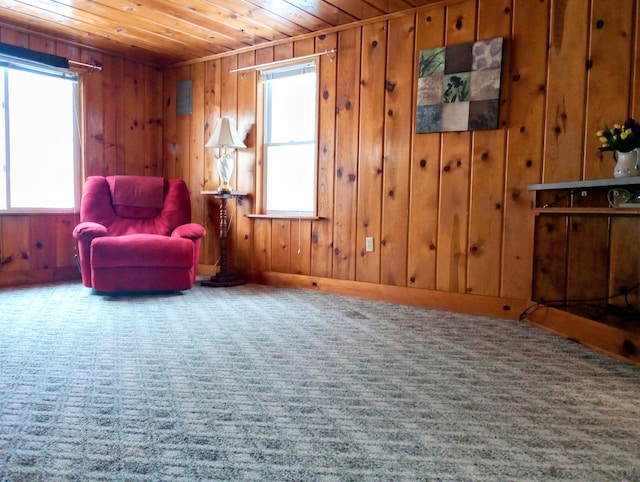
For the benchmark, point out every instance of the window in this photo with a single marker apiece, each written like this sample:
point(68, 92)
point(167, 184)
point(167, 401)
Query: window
point(290, 132)
point(38, 139)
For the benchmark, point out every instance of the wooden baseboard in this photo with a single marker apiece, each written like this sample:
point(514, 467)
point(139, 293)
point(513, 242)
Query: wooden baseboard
point(35, 277)
point(610, 340)
point(441, 300)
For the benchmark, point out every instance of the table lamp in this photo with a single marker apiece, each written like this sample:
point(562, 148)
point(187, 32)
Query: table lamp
point(226, 137)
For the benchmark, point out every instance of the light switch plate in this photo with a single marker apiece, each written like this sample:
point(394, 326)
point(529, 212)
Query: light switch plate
point(369, 243)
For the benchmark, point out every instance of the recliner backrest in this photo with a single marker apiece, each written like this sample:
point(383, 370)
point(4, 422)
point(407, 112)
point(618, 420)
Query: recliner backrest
point(136, 204)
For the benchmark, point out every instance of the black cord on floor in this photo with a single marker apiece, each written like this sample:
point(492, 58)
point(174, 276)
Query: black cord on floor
point(627, 312)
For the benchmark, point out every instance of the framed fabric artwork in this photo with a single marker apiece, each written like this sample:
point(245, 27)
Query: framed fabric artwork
point(459, 87)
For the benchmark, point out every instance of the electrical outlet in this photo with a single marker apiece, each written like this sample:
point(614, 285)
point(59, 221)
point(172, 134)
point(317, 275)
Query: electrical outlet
point(369, 243)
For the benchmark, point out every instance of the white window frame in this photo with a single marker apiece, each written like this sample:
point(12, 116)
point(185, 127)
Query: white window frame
point(6, 206)
point(267, 77)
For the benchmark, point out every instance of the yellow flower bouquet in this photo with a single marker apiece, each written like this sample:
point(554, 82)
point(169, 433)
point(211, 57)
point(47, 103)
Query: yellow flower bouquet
point(623, 138)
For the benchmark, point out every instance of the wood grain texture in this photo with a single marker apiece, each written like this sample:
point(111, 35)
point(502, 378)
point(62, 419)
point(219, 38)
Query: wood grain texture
point(245, 160)
point(398, 132)
point(467, 216)
point(346, 174)
point(163, 32)
point(372, 119)
point(425, 174)
point(525, 133)
point(566, 108)
point(322, 230)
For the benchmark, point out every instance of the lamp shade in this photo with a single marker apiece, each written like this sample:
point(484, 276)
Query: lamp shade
point(225, 135)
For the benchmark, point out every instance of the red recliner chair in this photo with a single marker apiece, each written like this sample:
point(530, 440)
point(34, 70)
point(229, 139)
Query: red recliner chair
point(135, 234)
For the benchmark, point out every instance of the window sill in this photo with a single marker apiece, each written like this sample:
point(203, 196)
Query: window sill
point(284, 216)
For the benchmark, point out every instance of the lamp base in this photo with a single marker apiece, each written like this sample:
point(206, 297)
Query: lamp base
point(225, 280)
point(225, 169)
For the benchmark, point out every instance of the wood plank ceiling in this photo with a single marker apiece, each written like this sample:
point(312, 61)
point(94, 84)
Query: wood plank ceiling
point(163, 32)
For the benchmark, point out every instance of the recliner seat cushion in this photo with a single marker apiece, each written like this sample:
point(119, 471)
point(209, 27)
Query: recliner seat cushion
point(141, 250)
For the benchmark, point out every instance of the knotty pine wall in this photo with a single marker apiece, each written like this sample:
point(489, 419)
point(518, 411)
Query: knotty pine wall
point(450, 213)
point(123, 135)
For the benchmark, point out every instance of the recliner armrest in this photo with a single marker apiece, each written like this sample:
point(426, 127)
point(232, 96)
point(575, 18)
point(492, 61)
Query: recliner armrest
point(88, 230)
point(191, 231)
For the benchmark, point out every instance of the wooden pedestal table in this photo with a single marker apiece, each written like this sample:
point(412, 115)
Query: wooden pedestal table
point(226, 276)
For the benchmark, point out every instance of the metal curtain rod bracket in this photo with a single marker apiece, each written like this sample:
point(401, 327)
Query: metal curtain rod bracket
point(328, 53)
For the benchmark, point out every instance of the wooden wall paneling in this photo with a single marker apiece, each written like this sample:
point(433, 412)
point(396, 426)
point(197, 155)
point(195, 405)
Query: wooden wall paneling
point(281, 228)
point(122, 125)
point(229, 108)
point(42, 44)
point(588, 258)
point(132, 132)
point(211, 218)
point(610, 61)
point(93, 112)
point(453, 223)
point(261, 248)
point(43, 240)
point(460, 22)
point(624, 258)
point(280, 245)
point(197, 174)
point(181, 135)
point(246, 159)
point(300, 251)
point(65, 242)
point(347, 132)
point(372, 116)
point(322, 230)
point(453, 212)
point(550, 258)
point(212, 94)
point(525, 136)
point(113, 90)
point(487, 172)
point(566, 91)
point(64, 49)
point(169, 123)
point(16, 243)
point(153, 120)
point(425, 173)
point(300, 242)
point(485, 213)
point(14, 37)
point(261, 259)
point(398, 137)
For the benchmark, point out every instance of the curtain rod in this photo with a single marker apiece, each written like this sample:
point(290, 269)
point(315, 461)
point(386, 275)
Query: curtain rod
point(278, 62)
point(82, 64)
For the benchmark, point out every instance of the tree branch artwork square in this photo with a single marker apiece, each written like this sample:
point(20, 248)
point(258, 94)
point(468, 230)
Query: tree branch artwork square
point(459, 87)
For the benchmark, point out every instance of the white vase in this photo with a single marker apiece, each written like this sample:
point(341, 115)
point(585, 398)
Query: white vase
point(627, 163)
point(225, 169)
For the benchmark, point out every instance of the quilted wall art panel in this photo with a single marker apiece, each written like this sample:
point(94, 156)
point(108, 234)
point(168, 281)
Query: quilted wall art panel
point(459, 87)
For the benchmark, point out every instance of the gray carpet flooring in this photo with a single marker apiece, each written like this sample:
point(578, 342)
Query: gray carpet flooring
point(271, 384)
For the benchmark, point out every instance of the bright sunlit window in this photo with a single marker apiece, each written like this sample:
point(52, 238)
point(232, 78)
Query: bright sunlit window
point(290, 107)
point(38, 140)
